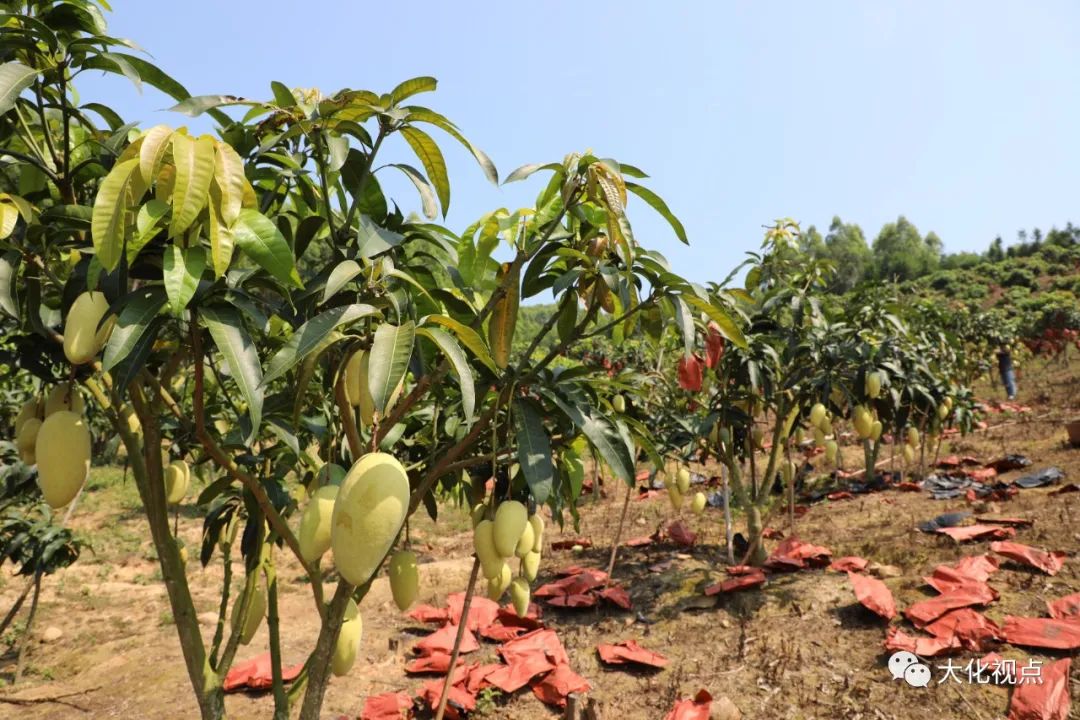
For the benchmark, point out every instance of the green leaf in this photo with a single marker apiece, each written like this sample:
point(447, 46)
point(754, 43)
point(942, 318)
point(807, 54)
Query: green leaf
point(422, 114)
point(460, 363)
point(127, 69)
point(131, 324)
point(526, 170)
point(412, 87)
point(109, 221)
point(14, 78)
point(194, 161)
point(427, 196)
point(283, 96)
point(468, 337)
point(182, 268)
point(197, 105)
point(147, 225)
point(601, 434)
point(727, 325)
point(127, 370)
point(310, 335)
point(230, 180)
point(345, 271)
point(231, 338)
point(534, 449)
point(657, 204)
point(432, 159)
point(155, 143)
point(372, 240)
point(7, 283)
point(389, 359)
point(259, 238)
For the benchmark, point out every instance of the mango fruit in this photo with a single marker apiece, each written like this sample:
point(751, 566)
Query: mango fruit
point(873, 385)
point(484, 545)
point(619, 404)
point(315, 523)
point(63, 456)
point(511, 517)
point(831, 449)
point(682, 479)
point(698, 504)
point(530, 566)
point(519, 596)
point(758, 438)
point(537, 523)
point(26, 440)
point(526, 541)
point(909, 454)
point(357, 388)
point(404, 579)
point(912, 436)
point(255, 613)
point(368, 515)
point(478, 513)
point(497, 585)
point(819, 436)
point(863, 421)
point(675, 497)
point(348, 641)
point(817, 414)
point(876, 429)
point(64, 396)
point(177, 480)
point(82, 338)
point(31, 409)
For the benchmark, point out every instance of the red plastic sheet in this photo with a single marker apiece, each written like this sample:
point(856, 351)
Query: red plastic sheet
point(429, 615)
point(257, 674)
point(640, 541)
point(1048, 700)
point(691, 371)
point(794, 554)
point(482, 612)
point(925, 612)
point(1066, 607)
point(873, 594)
point(559, 683)
point(697, 708)
point(387, 706)
point(436, 662)
point(511, 678)
point(1048, 562)
point(974, 630)
point(746, 581)
point(772, 534)
point(1042, 632)
point(630, 652)
point(544, 641)
point(680, 534)
point(978, 532)
point(851, 563)
point(616, 596)
point(897, 639)
point(442, 641)
point(459, 702)
point(908, 487)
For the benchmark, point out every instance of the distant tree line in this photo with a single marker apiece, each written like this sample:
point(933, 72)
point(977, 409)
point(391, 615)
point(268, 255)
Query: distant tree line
point(900, 252)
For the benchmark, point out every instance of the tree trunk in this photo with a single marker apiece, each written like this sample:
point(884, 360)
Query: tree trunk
point(319, 661)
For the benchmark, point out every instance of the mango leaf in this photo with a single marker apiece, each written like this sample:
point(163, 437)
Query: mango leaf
point(526, 170)
point(197, 105)
point(468, 337)
point(230, 179)
point(657, 203)
point(427, 196)
point(227, 329)
point(342, 273)
point(534, 449)
point(372, 240)
point(155, 144)
point(108, 224)
point(432, 159)
point(389, 359)
point(128, 369)
point(422, 114)
point(411, 87)
point(194, 162)
point(147, 223)
point(601, 434)
point(727, 325)
point(222, 242)
point(259, 238)
point(460, 363)
point(14, 78)
point(132, 323)
point(311, 334)
point(7, 285)
point(126, 69)
point(283, 96)
point(182, 268)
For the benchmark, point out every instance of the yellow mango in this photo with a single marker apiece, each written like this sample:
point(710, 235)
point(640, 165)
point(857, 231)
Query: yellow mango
point(619, 404)
point(873, 385)
point(817, 414)
point(875, 430)
point(63, 457)
point(675, 497)
point(698, 504)
point(357, 388)
point(682, 479)
point(831, 449)
point(511, 517)
point(404, 579)
point(348, 641)
point(498, 584)
point(315, 523)
point(537, 523)
point(82, 339)
point(519, 596)
point(64, 396)
point(526, 541)
point(255, 613)
point(913, 436)
point(368, 515)
point(530, 565)
point(31, 409)
point(177, 480)
point(26, 437)
point(478, 513)
point(909, 454)
point(484, 544)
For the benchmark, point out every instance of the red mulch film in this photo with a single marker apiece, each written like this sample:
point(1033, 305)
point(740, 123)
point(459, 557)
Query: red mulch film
point(511, 678)
point(925, 612)
point(1048, 562)
point(442, 641)
point(897, 639)
point(256, 674)
point(559, 683)
point(629, 652)
point(1048, 700)
point(387, 706)
point(745, 581)
point(697, 708)
point(1066, 607)
point(680, 534)
point(873, 594)
point(978, 532)
point(974, 630)
point(794, 554)
point(851, 563)
point(1042, 632)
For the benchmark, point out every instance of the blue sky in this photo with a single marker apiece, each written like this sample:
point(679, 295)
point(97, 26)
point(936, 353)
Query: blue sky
point(962, 115)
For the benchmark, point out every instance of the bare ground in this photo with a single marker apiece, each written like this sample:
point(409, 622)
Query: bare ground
point(801, 648)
